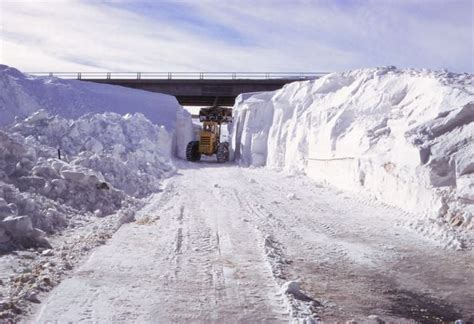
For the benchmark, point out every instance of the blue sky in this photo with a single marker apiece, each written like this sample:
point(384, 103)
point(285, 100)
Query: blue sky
point(243, 35)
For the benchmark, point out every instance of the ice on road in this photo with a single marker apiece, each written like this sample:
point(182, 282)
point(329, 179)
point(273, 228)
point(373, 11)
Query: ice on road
point(220, 244)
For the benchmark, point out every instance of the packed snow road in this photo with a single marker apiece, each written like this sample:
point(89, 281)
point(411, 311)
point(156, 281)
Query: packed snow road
point(225, 244)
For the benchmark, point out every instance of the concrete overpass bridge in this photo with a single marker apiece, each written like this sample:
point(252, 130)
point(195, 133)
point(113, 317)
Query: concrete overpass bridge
point(193, 88)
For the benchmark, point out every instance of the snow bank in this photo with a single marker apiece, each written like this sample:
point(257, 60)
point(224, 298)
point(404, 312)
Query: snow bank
point(107, 161)
point(404, 136)
point(111, 156)
point(23, 95)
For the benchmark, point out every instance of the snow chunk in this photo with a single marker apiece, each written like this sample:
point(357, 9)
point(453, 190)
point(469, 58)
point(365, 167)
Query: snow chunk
point(36, 117)
point(21, 232)
point(291, 287)
point(291, 196)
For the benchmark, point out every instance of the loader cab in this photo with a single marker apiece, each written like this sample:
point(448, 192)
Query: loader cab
point(211, 127)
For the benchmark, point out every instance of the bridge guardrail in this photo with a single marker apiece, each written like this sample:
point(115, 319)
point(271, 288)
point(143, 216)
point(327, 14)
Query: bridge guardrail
point(181, 75)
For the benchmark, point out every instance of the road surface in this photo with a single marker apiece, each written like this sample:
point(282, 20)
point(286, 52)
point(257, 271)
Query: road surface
point(223, 244)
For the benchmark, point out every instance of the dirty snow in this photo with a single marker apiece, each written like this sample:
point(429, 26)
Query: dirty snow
point(405, 137)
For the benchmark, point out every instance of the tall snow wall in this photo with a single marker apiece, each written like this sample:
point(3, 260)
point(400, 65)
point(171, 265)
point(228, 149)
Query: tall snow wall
point(403, 136)
point(22, 95)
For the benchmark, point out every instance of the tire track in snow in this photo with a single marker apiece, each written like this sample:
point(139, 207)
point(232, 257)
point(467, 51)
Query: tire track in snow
point(296, 308)
point(323, 228)
point(179, 240)
point(232, 244)
point(179, 237)
point(192, 259)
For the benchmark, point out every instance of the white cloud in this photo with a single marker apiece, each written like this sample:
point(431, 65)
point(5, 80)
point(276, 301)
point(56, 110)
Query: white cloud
point(275, 36)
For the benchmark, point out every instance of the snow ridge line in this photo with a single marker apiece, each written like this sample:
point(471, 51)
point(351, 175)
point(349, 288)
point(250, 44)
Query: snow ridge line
point(271, 250)
point(436, 231)
point(300, 306)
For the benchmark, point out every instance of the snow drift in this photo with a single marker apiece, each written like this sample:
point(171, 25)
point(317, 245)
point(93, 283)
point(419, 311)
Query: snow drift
point(404, 136)
point(109, 160)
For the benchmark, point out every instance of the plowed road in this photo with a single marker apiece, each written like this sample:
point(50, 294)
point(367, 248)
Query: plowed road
point(219, 243)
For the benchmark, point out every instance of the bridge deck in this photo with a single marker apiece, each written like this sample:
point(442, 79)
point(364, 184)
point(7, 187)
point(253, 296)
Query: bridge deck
point(193, 88)
point(200, 92)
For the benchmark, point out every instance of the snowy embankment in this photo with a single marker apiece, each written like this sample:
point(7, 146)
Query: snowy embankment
point(115, 144)
point(402, 136)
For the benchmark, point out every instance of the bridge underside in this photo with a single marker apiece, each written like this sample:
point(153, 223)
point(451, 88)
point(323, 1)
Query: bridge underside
point(206, 100)
point(200, 92)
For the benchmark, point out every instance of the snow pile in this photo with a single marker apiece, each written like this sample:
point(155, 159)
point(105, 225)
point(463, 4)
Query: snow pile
point(40, 192)
point(108, 160)
point(23, 95)
point(404, 136)
point(128, 151)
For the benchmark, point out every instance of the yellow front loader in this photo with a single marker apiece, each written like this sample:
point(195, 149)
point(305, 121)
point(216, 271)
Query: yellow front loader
point(209, 138)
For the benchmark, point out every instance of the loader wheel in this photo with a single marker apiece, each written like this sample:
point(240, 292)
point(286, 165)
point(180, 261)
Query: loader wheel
point(223, 152)
point(192, 151)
